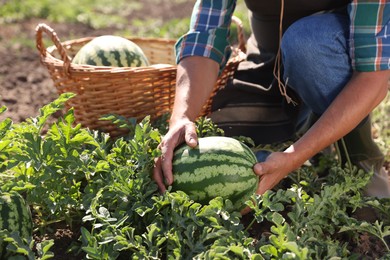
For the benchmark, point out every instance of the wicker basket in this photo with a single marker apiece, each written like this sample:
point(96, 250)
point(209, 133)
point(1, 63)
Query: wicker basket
point(126, 91)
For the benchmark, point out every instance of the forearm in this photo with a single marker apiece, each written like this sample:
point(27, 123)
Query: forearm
point(361, 95)
point(196, 78)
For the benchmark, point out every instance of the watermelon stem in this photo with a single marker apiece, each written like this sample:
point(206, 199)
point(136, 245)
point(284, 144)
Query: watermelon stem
point(250, 225)
point(47, 223)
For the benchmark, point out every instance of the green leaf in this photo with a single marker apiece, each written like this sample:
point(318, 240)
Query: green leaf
point(237, 250)
point(3, 109)
point(49, 109)
point(269, 249)
point(85, 236)
point(4, 144)
point(43, 249)
point(301, 253)
point(277, 218)
point(5, 126)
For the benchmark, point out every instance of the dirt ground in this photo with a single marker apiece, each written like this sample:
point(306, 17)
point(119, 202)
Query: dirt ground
point(25, 85)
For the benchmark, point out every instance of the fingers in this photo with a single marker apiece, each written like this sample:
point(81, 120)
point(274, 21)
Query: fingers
point(191, 137)
point(166, 163)
point(157, 175)
point(263, 187)
point(245, 210)
point(258, 169)
point(268, 173)
point(276, 167)
point(262, 168)
point(172, 140)
point(270, 165)
point(182, 131)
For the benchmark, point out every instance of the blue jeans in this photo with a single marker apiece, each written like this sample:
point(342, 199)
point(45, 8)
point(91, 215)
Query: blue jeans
point(315, 55)
point(317, 66)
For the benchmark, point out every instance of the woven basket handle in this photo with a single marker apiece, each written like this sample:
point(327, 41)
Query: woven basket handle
point(240, 33)
point(53, 35)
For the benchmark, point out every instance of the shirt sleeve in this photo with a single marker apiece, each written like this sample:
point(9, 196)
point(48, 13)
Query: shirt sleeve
point(209, 32)
point(370, 34)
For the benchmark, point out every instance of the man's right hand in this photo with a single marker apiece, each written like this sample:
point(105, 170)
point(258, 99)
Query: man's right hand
point(196, 77)
point(181, 131)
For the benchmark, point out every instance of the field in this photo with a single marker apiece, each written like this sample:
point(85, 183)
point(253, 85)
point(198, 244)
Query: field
point(108, 208)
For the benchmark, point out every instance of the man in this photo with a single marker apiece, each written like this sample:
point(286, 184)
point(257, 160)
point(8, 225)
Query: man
point(335, 56)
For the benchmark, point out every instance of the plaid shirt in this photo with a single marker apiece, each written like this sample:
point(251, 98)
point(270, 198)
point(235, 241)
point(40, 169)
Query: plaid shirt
point(369, 34)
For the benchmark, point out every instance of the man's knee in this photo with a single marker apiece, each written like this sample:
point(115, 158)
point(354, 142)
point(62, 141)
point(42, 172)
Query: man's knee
point(314, 39)
point(312, 49)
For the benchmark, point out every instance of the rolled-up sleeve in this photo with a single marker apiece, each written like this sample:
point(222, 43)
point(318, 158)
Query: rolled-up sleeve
point(209, 31)
point(370, 35)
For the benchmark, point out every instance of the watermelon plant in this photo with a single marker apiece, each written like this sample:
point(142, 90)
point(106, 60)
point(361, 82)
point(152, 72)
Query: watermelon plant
point(101, 189)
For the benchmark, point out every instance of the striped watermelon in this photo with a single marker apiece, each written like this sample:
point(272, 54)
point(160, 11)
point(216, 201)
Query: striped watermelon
point(15, 215)
point(110, 50)
point(218, 166)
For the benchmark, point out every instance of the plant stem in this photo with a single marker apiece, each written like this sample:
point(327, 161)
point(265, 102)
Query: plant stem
point(346, 154)
point(250, 225)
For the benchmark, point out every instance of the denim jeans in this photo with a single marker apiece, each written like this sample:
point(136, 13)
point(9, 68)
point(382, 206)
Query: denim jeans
point(316, 63)
point(315, 55)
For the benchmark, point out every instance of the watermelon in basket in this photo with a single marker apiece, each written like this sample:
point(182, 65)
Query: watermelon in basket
point(111, 50)
point(147, 88)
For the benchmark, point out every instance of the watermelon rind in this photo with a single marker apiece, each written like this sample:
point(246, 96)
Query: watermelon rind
point(111, 51)
point(218, 167)
point(15, 215)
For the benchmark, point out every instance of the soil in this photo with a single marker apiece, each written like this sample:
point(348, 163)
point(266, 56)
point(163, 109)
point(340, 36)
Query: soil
point(25, 85)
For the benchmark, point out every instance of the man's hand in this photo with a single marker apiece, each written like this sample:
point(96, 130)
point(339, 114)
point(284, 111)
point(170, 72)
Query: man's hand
point(196, 77)
point(276, 167)
point(181, 131)
point(337, 121)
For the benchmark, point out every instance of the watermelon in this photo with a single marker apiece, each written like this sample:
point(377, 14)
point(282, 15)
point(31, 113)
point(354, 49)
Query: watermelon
point(218, 166)
point(113, 51)
point(15, 215)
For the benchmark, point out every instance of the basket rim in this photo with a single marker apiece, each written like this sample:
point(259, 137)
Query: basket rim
point(50, 60)
point(68, 43)
point(85, 68)
point(66, 62)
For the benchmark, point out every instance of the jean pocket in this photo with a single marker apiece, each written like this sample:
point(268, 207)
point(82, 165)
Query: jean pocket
point(385, 31)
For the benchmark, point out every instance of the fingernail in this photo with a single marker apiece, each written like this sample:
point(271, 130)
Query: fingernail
point(193, 142)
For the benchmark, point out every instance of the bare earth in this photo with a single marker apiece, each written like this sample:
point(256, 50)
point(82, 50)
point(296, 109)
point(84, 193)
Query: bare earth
point(25, 85)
